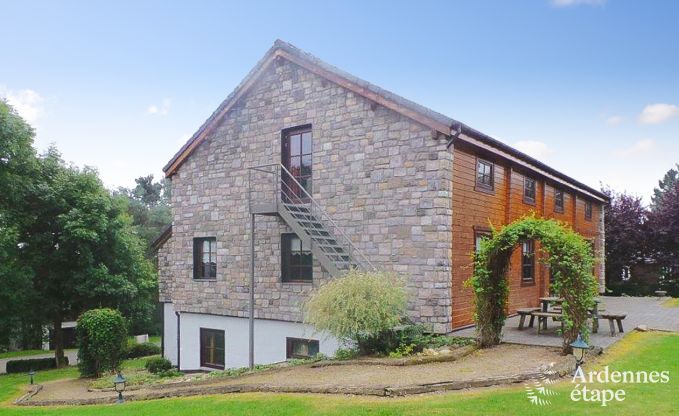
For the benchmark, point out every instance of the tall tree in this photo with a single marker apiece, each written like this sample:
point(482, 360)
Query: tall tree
point(148, 204)
point(18, 163)
point(664, 222)
point(81, 247)
point(626, 233)
point(666, 184)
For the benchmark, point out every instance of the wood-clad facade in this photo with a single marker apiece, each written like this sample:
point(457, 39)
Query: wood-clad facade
point(477, 209)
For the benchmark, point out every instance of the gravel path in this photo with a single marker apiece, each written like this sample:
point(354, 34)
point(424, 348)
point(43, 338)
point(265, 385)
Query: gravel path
point(503, 360)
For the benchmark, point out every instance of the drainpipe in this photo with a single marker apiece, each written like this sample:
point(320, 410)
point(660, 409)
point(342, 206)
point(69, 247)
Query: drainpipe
point(179, 334)
point(251, 319)
point(454, 136)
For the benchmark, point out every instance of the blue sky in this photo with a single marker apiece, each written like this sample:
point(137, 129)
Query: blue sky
point(589, 86)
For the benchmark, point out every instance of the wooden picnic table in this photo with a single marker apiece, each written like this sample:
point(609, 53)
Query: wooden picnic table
point(547, 300)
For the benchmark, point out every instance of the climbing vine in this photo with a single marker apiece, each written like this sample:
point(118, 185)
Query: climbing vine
point(570, 261)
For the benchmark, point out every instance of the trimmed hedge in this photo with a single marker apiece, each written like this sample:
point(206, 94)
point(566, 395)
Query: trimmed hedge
point(142, 350)
point(102, 341)
point(35, 364)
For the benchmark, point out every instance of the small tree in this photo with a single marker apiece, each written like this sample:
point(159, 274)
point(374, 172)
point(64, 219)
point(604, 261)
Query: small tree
point(358, 306)
point(102, 341)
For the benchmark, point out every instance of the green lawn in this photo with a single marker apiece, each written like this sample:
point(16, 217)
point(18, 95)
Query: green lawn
point(639, 351)
point(25, 353)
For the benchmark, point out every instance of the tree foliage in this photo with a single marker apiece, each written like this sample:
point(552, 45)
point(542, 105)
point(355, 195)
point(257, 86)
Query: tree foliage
point(66, 245)
point(664, 224)
point(148, 203)
point(570, 262)
point(627, 234)
point(102, 341)
point(358, 305)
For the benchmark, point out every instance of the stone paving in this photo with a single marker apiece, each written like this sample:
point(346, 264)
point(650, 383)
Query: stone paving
point(647, 311)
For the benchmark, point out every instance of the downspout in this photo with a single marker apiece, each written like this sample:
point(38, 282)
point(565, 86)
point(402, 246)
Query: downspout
point(179, 329)
point(454, 136)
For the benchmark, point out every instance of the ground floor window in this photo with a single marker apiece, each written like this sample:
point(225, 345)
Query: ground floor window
point(212, 348)
point(301, 348)
point(528, 262)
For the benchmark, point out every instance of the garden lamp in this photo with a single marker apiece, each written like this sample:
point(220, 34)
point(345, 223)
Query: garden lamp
point(31, 374)
point(579, 348)
point(119, 385)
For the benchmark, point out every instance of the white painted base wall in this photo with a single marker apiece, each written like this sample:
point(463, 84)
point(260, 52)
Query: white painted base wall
point(169, 333)
point(270, 338)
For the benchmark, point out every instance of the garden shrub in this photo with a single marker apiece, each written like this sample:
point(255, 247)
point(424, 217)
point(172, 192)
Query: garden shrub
point(358, 307)
point(570, 261)
point(35, 364)
point(346, 354)
point(102, 341)
point(142, 350)
point(158, 365)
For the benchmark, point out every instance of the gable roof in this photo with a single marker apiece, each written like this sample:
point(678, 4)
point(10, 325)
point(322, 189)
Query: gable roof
point(427, 117)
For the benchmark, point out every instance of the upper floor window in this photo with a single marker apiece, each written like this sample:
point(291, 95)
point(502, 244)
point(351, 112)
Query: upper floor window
point(301, 348)
point(529, 189)
point(205, 258)
point(296, 261)
point(588, 210)
point(558, 200)
point(485, 175)
point(528, 261)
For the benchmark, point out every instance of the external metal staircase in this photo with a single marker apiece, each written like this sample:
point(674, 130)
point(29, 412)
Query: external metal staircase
point(273, 190)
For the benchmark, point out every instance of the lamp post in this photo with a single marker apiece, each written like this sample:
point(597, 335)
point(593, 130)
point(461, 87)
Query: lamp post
point(119, 385)
point(31, 374)
point(579, 348)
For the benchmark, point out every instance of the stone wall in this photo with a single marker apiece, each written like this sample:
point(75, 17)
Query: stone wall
point(386, 181)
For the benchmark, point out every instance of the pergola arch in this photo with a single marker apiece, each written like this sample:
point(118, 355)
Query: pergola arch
point(570, 261)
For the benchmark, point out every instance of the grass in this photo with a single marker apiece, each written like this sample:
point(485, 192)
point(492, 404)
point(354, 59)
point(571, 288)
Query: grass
point(672, 303)
point(638, 351)
point(25, 353)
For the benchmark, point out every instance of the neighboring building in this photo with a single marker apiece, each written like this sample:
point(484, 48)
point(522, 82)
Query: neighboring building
point(379, 181)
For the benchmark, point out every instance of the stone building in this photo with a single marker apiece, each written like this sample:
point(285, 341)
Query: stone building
point(339, 173)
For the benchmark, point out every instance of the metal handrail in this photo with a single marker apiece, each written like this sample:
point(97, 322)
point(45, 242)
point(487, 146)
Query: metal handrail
point(322, 216)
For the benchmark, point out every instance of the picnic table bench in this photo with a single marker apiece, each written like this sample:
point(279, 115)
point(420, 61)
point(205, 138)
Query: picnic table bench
point(614, 317)
point(523, 313)
point(544, 316)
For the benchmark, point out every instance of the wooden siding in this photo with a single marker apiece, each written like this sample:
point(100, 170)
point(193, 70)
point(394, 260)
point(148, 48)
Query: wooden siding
point(479, 209)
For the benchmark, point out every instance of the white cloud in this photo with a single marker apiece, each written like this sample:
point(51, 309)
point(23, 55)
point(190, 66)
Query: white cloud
point(638, 149)
point(568, 3)
point(658, 113)
point(614, 120)
point(162, 109)
point(27, 103)
point(538, 150)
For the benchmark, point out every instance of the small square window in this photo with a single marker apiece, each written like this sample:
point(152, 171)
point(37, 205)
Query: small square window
point(588, 210)
point(205, 258)
point(485, 175)
point(529, 187)
point(301, 348)
point(558, 200)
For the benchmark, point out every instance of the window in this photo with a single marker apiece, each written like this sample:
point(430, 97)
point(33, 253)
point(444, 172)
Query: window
point(485, 175)
point(301, 348)
point(478, 236)
point(212, 348)
point(205, 258)
point(588, 210)
point(528, 261)
point(558, 200)
point(296, 157)
point(296, 261)
point(528, 190)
